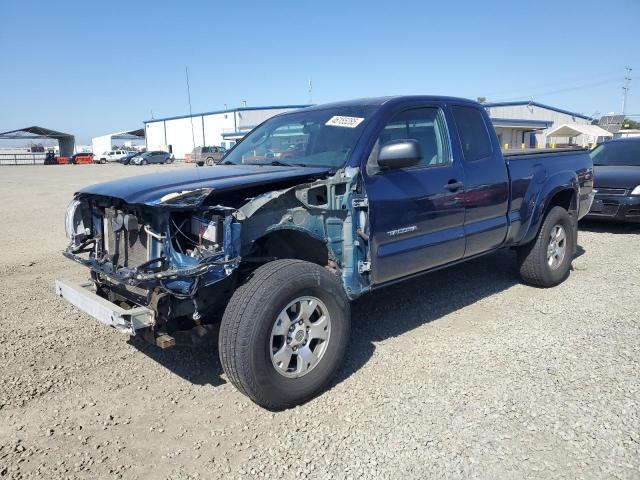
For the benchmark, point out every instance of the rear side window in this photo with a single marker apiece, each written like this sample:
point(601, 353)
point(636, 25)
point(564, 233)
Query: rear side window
point(472, 131)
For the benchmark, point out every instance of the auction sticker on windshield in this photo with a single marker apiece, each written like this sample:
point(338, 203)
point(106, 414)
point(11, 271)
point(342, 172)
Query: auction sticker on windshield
point(348, 122)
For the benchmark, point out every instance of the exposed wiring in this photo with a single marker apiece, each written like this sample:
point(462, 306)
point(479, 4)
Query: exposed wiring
point(182, 233)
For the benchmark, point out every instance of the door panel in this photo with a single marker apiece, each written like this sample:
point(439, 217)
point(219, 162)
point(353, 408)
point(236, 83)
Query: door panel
point(486, 202)
point(417, 222)
point(486, 196)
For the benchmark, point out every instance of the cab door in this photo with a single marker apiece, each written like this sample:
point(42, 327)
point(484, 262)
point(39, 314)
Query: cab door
point(416, 213)
point(486, 196)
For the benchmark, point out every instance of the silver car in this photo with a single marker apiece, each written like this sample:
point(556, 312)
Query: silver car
point(151, 157)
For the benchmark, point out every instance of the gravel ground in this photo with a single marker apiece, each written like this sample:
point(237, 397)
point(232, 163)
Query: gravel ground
point(462, 373)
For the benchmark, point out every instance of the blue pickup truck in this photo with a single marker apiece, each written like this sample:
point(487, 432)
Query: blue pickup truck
point(312, 209)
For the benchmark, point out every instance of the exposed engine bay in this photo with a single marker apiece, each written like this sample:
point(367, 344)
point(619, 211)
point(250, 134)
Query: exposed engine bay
point(183, 256)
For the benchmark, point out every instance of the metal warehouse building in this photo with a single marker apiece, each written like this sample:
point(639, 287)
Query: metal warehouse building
point(219, 128)
point(528, 123)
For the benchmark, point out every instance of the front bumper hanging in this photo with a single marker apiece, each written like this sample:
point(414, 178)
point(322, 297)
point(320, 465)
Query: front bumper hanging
point(83, 296)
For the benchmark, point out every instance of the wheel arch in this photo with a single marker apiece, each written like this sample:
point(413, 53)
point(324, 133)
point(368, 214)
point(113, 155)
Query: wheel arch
point(561, 190)
point(291, 243)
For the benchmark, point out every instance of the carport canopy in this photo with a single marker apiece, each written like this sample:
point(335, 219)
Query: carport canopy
point(66, 141)
point(576, 129)
point(129, 134)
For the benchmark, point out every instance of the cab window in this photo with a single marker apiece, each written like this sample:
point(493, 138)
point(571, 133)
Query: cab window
point(426, 126)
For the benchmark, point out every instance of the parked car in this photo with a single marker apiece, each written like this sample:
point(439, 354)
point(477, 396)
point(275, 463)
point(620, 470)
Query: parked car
point(617, 180)
point(207, 155)
point(126, 160)
point(151, 157)
point(111, 156)
point(80, 158)
point(382, 190)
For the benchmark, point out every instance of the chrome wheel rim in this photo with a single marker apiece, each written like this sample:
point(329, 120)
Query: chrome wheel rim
point(557, 248)
point(300, 336)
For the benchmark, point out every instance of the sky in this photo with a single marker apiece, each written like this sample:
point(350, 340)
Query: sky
point(90, 68)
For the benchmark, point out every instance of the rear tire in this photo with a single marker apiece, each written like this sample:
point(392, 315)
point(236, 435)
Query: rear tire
point(103, 160)
point(263, 319)
point(546, 261)
point(210, 162)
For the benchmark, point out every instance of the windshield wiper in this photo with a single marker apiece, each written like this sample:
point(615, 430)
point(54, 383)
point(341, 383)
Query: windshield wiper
point(278, 163)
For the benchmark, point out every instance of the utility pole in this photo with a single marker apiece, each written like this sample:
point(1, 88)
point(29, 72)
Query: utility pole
point(193, 136)
point(310, 92)
point(625, 89)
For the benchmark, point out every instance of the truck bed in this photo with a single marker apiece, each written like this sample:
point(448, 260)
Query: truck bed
point(528, 153)
point(535, 175)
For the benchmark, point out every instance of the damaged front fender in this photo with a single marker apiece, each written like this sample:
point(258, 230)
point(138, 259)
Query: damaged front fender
point(276, 223)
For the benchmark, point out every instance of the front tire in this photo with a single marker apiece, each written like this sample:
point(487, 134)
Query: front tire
point(546, 261)
point(284, 333)
point(210, 162)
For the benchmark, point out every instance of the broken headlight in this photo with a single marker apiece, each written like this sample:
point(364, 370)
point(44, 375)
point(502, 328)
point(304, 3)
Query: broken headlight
point(74, 225)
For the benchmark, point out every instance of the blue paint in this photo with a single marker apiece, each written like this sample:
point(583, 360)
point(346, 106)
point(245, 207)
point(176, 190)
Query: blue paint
point(415, 221)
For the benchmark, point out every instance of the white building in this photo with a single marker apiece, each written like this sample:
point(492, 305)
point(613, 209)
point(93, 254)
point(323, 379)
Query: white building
point(528, 122)
point(133, 139)
point(627, 133)
point(180, 134)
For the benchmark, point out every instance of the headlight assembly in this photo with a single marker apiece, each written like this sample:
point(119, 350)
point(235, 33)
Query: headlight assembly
point(636, 191)
point(74, 226)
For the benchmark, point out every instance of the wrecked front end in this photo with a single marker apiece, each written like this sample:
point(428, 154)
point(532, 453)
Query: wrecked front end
point(165, 257)
point(181, 258)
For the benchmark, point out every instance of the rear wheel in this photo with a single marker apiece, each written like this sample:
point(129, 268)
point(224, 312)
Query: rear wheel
point(546, 261)
point(284, 333)
point(103, 160)
point(210, 162)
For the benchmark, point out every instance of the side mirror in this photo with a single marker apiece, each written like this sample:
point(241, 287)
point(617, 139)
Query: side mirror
point(399, 154)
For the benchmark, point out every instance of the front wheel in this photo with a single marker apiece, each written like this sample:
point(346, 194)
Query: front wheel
point(284, 333)
point(545, 262)
point(143, 162)
point(210, 162)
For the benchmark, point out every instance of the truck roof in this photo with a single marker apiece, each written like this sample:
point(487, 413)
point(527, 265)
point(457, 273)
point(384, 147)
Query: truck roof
point(379, 101)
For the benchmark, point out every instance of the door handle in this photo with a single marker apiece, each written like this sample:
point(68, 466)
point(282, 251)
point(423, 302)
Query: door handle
point(454, 185)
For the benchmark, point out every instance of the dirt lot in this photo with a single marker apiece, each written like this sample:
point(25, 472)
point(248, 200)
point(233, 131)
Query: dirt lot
point(462, 373)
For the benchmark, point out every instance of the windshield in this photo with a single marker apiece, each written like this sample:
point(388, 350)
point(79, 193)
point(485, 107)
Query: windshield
point(617, 154)
point(312, 138)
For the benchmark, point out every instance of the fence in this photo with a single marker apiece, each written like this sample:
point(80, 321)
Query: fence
point(22, 158)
